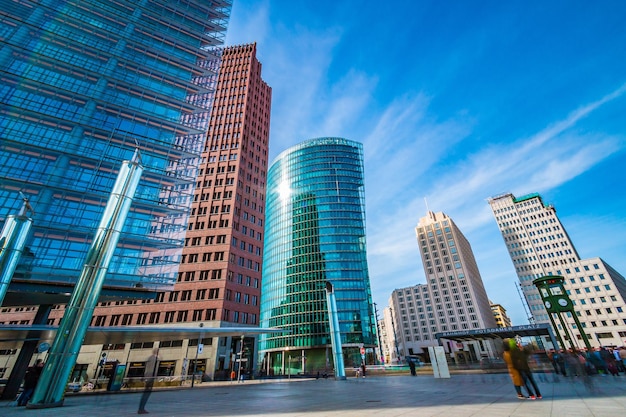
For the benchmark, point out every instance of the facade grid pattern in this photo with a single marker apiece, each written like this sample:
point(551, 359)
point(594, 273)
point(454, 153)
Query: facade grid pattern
point(454, 297)
point(315, 233)
point(84, 84)
point(539, 246)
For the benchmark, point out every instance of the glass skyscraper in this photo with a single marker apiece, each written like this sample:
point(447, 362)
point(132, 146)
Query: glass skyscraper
point(85, 83)
point(315, 232)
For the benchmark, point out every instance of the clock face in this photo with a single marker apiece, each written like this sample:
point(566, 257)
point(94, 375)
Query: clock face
point(548, 304)
point(563, 302)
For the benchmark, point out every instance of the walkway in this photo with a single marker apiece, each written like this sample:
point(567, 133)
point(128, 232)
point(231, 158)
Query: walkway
point(483, 395)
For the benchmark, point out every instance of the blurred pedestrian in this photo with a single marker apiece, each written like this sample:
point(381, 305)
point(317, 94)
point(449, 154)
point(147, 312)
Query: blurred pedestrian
point(516, 378)
point(412, 368)
point(149, 375)
point(622, 355)
point(30, 382)
point(520, 362)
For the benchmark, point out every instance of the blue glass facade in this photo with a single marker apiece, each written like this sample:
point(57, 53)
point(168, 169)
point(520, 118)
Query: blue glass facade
point(85, 82)
point(315, 232)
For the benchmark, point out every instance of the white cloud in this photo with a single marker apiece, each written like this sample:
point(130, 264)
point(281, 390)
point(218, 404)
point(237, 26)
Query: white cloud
point(249, 23)
point(539, 163)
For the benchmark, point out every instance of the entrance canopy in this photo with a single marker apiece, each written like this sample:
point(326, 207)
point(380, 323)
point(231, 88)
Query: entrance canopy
point(12, 336)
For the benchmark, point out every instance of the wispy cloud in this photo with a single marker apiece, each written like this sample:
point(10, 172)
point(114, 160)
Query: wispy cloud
point(538, 163)
point(411, 150)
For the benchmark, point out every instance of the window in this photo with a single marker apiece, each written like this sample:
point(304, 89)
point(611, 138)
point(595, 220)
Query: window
point(210, 314)
point(169, 316)
point(154, 317)
point(197, 315)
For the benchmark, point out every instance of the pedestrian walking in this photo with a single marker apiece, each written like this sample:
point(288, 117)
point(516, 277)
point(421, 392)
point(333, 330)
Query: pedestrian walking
point(516, 378)
point(622, 355)
point(149, 375)
point(559, 360)
point(30, 382)
point(412, 368)
point(520, 362)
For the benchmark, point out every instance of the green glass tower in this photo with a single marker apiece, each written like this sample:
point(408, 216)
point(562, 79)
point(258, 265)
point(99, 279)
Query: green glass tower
point(315, 232)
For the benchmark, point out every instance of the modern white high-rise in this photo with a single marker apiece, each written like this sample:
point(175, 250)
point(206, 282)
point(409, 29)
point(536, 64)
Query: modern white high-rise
point(539, 246)
point(453, 298)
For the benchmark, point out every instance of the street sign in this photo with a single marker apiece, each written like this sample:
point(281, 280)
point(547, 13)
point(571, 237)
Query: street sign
point(200, 347)
point(43, 347)
point(242, 360)
point(362, 351)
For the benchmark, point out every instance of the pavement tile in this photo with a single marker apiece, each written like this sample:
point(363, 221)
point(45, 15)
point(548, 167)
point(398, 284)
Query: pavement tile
point(473, 395)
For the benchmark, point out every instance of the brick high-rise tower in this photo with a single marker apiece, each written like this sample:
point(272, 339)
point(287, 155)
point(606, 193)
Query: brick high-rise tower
point(219, 278)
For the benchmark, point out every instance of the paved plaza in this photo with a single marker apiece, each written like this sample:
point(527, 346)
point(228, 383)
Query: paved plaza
point(484, 395)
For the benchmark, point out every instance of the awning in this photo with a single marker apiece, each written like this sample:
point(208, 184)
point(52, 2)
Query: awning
point(528, 330)
point(12, 336)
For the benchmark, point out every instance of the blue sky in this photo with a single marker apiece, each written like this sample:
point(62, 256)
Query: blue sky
point(456, 102)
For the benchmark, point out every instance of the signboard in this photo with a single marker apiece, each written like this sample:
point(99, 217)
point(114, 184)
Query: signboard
point(200, 348)
point(117, 379)
point(439, 361)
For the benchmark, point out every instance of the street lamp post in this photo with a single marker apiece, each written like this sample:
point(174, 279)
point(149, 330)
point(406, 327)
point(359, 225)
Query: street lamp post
point(240, 358)
point(380, 344)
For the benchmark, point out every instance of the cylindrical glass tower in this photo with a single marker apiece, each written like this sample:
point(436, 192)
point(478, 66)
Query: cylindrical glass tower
point(315, 232)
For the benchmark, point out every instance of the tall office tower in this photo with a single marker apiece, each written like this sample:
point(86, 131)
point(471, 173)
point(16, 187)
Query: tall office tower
point(219, 277)
point(539, 246)
point(315, 232)
point(85, 83)
point(499, 314)
point(454, 297)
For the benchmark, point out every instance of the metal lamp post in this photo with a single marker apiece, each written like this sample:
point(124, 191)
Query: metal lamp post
point(51, 388)
point(12, 242)
point(335, 335)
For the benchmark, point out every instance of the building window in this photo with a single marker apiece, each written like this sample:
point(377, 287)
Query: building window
point(154, 317)
point(182, 316)
point(210, 314)
point(127, 319)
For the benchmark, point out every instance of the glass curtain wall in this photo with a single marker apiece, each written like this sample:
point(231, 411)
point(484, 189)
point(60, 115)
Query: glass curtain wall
point(85, 82)
point(315, 232)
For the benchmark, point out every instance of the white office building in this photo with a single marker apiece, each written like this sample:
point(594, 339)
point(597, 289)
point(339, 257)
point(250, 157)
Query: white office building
point(539, 246)
point(453, 298)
